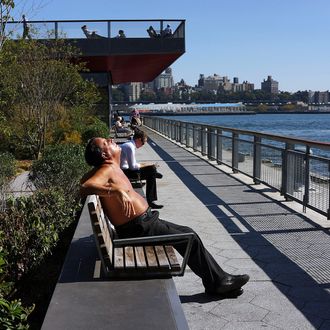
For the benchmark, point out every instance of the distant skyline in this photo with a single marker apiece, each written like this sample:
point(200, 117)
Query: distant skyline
point(248, 39)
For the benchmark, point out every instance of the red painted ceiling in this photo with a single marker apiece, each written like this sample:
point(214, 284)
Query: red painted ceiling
point(131, 68)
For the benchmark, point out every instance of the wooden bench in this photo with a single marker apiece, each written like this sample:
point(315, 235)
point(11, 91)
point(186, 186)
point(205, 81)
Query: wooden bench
point(152, 256)
point(84, 300)
point(119, 134)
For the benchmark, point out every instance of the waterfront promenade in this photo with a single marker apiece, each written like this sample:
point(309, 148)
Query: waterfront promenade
point(248, 229)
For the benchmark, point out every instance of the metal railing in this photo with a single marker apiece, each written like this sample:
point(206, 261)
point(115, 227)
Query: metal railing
point(71, 29)
point(299, 169)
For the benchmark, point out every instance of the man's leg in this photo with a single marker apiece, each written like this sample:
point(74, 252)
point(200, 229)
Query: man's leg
point(148, 173)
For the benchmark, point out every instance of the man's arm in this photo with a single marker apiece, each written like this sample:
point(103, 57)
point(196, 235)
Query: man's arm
point(131, 160)
point(98, 182)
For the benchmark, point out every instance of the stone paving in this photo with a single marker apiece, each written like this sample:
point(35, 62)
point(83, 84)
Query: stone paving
point(248, 229)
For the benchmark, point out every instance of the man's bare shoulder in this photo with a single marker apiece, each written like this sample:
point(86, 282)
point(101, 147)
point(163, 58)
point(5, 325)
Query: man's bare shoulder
point(101, 170)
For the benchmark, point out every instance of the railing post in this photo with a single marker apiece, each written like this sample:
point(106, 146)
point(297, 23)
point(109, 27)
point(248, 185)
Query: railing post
point(194, 138)
point(257, 159)
point(210, 143)
point(234, 155)
point(285, 170)
point(203, 140)
point(109, 29)
point(219, 146)
point(306, 178)
point(187, 134)
point(56, 30)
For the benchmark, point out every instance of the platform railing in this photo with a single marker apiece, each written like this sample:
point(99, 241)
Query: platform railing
point(72, 29)
point(299, 169)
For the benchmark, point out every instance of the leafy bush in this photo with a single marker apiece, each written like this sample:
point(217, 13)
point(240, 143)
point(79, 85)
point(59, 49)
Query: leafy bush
point(7, 170)
point(12, 314)
point(31, 226)
point(99, 128)
point(7, 167)
point(61, 167)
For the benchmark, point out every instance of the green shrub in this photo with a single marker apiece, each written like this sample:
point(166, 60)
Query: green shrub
point(7, 171)
point(7, 167)
point(99, 128)
point(31, 226)
point(12, 314)
point(61, 167)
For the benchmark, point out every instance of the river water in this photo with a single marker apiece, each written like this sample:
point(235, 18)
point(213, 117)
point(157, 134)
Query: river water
point(314, 127)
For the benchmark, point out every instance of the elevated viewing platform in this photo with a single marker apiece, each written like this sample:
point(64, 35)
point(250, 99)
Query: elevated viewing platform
point(145, 51)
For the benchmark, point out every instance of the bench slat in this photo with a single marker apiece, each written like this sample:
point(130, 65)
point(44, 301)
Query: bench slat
point(129, 257)
point(172, 257)
point(161, 256)
point(119, 258)
point(140, 257)
point(151, 257)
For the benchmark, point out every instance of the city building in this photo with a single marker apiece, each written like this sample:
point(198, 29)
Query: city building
point(164, 80)
point(318, 97)
point(270, 85)
point(213, 82)
point(133, 91)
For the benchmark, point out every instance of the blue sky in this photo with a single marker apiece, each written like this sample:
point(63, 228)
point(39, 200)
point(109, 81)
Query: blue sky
point(248, 39)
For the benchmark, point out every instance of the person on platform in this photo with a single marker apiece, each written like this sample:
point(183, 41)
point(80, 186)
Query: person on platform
point(26, 28)
point(121, 34)
point(146, 171)
point(167, 31)
point(90, 34)
point(132, 217)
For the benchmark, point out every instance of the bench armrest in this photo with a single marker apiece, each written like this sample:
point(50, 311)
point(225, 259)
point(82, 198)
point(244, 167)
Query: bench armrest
point(122, 242)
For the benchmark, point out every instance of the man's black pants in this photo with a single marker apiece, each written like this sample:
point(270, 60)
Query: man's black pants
point(200, 261)
point(147, 173)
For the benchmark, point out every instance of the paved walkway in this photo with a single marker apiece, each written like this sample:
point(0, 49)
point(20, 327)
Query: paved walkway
point(248, 229)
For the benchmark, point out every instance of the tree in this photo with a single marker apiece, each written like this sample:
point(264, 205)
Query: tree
point(41, 90)
point(6, 7)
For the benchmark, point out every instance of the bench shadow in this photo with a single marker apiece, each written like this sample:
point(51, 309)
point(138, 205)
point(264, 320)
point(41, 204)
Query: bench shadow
point(305, 287)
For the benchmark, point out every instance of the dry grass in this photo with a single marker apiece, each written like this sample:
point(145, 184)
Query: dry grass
point(22, 166)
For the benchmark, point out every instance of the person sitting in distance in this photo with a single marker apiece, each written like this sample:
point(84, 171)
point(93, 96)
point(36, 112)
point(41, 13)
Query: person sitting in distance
point(167, 31)
point(152, 33)
point(90, 34)
point(121, 34)
point(146, 171)
point(120, 125)
point(130, 214)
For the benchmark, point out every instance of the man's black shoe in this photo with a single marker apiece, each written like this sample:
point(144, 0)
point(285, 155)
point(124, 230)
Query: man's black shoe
point(158, 175)
point(155, 206)
point(229, 284)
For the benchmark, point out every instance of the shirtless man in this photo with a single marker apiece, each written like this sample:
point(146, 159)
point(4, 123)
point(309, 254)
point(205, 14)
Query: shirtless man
point(130, 214)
